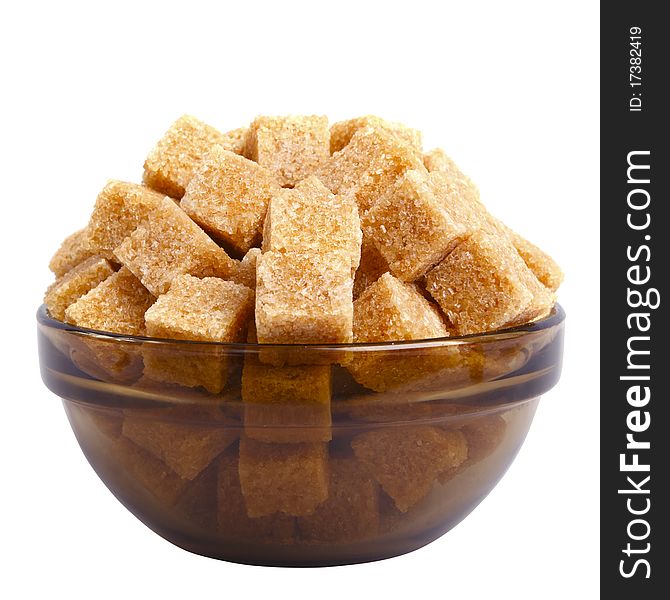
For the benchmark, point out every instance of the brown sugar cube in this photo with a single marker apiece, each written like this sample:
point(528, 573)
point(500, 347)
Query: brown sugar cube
point(483, 434)
point(117, 304)
point(372, 266)
point(368, 166)
point(119, 209)
point(291, 147)
point(486, 364)
point(169, 244)
point(228, 197)
point(484, 285)
point(245, 273)
point(407, 461)
point(438, 160)
point(351, 511)
point(342, 132)
point(539, 262)
point(185, 445)
point(447, 174)
point(304, 298)
point(541, 304)
point(233, 520)
point(412, 370)
point(287, 478)
point(74, 284)
point(419, 222)
point(235, 140)
point(173, 161)
point(203, 310)
point(458, 192)
point(146, 472)
point(289, 404)
point(106, 360)
point(309, 218)
point(73, 250)
point(390, 310)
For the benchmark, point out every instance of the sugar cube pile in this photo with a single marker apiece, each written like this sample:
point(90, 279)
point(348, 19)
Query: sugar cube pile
point(306, 217)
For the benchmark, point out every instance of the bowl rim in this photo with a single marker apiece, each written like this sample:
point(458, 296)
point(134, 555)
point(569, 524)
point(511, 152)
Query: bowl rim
point(554, 319)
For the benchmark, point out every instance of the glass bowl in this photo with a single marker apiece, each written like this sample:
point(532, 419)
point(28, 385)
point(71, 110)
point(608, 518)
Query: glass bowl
point(300, 455)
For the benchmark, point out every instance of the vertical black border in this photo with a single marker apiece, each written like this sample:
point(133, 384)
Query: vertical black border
point(624, 131)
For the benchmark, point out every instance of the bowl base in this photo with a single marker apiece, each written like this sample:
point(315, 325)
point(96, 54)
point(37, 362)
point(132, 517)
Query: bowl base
point(303, 557)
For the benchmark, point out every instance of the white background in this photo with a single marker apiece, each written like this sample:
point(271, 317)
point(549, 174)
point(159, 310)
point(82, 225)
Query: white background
point(509, 89)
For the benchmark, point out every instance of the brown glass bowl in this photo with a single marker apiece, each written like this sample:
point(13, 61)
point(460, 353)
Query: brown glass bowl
point(300, 455)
